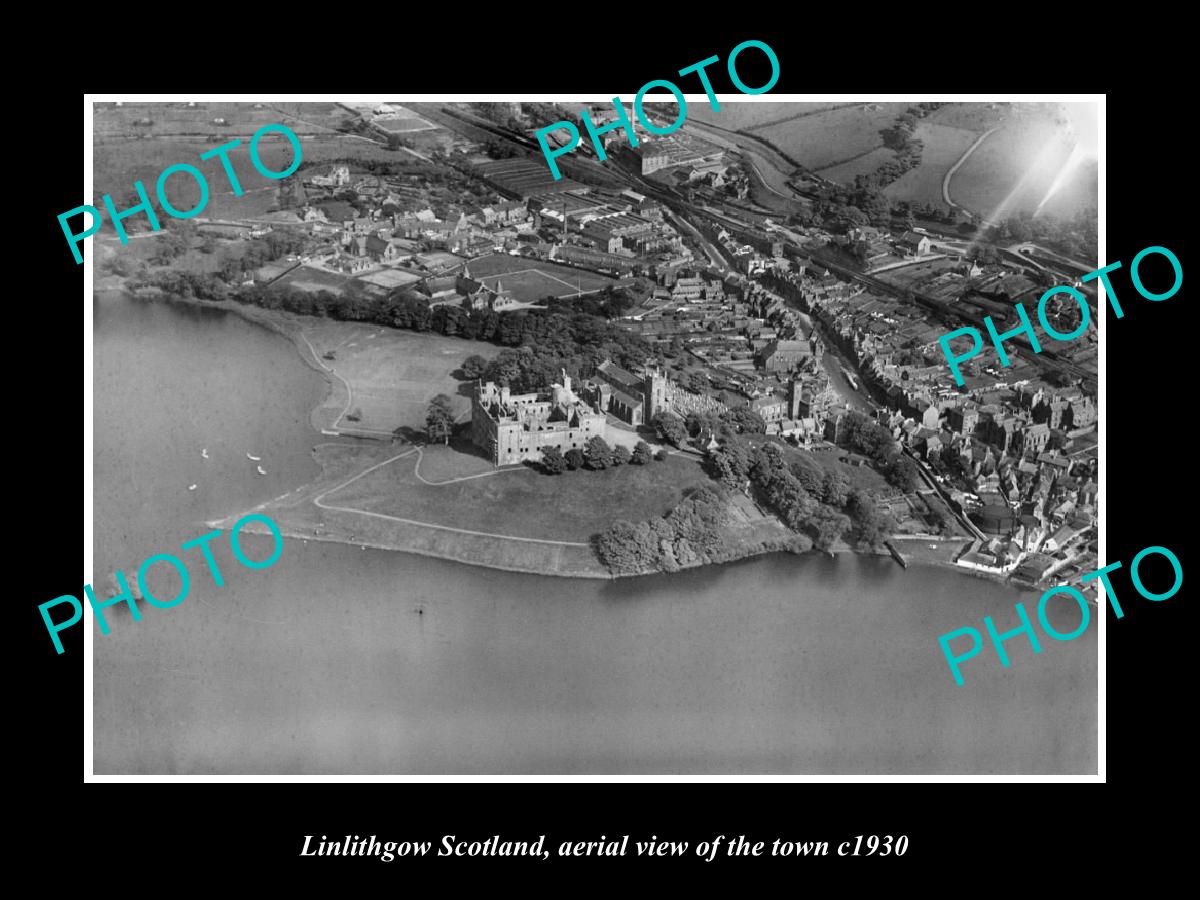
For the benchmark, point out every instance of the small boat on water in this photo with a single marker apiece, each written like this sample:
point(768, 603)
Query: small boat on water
point(192, 487)
point(261, 470)
point(204, 453)
point(255, 458)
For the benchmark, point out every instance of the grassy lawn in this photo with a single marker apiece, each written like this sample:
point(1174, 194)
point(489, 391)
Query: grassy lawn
point(976, 117)
point(743, 116)
point(944, 145)
point(242, 118)
point(119, 162)
point(393, 374)
point(829, 138)
point(860, 165)
point(1022, 159)
point(523, 502)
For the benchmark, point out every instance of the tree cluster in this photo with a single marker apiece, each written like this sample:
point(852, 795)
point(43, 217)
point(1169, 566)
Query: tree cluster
point(439, 419)
point(596, 455)
point(872, 439)
point(689, 534)
point(820, 504)
point(609, 303)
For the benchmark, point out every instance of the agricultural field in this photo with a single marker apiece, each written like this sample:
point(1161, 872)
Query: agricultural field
point(832, 137)
point(977, 117)
point(860, 165)
point(1013, 170)
point(943, 146)
point(125, 152)
point(746, 115)
point(180, 120)
point(117, 164)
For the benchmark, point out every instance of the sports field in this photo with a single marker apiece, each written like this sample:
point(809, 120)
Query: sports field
point(310, 278)
point(531, 280)
point(402, 119)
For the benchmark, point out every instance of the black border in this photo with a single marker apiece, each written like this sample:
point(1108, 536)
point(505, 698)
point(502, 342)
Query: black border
point(1148, 471)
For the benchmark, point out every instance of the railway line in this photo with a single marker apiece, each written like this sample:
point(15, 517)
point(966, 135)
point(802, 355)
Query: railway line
point(946, 312)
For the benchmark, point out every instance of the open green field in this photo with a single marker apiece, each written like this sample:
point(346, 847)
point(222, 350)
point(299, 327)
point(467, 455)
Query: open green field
point(521, 501)
point(118, 163)
point(392, 375)
point(943, 145)
point(1014, 168)
point(976, 117)
point(242, 119)
point(861, 165)
point(124, 152)
point(298, 516)
point(745, 115)
point(834, 136)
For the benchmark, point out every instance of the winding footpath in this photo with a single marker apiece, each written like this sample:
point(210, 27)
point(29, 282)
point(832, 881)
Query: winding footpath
point(318, 500)
point(954, 168)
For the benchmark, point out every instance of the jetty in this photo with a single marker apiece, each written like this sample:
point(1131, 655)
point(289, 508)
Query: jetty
point(896, 554)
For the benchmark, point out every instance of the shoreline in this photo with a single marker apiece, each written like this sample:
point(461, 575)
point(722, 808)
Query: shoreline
point(282, 324)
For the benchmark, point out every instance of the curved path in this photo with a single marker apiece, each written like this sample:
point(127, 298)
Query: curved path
point(318, 501)
point(954, 168)
point(349, 398)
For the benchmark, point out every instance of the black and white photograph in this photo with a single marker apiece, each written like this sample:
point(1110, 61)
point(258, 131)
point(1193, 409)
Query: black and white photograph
point(570, 438)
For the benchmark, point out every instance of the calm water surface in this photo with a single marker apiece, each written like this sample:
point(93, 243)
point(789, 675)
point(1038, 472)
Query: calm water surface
point(322, 664)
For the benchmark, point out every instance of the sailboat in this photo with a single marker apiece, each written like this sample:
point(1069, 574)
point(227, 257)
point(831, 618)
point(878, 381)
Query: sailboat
point(204, 453)
point(255, 458)
point(261, 470)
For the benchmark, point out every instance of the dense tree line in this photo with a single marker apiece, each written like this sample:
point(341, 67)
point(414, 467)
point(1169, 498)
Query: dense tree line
point(689, 534)
point(544, 342)
point(822, 505)
point(596, 455)
point(1075, 237)
point(609, 303)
